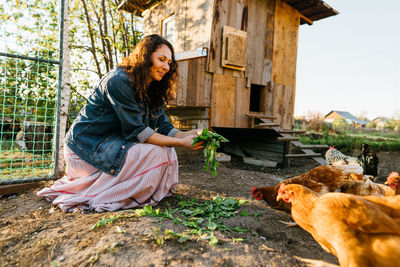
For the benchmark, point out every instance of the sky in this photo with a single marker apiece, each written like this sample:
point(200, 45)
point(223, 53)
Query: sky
point(351, 61)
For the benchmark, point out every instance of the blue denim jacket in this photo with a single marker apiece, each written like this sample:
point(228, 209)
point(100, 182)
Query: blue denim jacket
point(113, 119)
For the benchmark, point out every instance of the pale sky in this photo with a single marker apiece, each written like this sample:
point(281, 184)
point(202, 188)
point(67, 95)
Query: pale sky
point(351, 61)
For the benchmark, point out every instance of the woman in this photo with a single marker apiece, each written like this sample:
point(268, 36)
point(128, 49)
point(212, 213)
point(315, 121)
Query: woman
point(119, 151)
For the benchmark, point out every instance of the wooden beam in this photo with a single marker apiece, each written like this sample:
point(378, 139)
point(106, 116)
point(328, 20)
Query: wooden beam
point(301, 145)
point(260, 115)
point(287, 137)
point(307, 20)
point(14, 188)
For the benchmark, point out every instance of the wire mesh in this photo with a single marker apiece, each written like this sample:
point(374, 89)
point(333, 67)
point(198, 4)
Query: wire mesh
point(29, 52)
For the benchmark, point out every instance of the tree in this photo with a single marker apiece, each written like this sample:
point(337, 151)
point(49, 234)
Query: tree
point(29, 86)
point(103, 34)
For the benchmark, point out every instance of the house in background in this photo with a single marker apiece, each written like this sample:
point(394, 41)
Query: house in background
point(380, 122)
point(237, 65)
point(346, 116)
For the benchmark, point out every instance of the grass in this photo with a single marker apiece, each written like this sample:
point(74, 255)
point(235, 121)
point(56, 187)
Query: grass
point(349, 142)
point(20, 164)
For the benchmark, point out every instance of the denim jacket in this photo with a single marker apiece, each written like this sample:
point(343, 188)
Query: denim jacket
point(113, 119)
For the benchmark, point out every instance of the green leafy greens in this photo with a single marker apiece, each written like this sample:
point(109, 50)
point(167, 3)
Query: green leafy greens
point(201, 218)
point(212, 141)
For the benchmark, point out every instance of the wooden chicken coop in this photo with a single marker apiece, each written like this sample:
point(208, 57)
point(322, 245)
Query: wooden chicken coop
point(237, 67)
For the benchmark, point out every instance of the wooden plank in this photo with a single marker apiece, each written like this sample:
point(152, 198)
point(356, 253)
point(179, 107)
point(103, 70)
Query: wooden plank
point(260, 162)
point(223, 95)
point(256, 65)
point(320, 160)
point(207, 87)
point(286, 26)
point(262, 154)
point(200, 99)
point(287, 137)
point(192, 77)
point(285, 44)
point(267, 124)
point(194, 88)
point(264, 145)
point(301, 155)
point(242, 103)
point(309, 151)
point(306, 155)
point(181, 92)
point(219, 18)
point(14, 188)
point(260, 115)
point(301, 145)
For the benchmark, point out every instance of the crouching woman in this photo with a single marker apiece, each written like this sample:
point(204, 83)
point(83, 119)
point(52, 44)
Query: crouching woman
point(119, 152)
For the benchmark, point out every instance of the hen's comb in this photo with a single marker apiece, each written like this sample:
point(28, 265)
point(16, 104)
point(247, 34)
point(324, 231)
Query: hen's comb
point(393, 174)
point(331, 147)
point(252, 190)
point(281, 187)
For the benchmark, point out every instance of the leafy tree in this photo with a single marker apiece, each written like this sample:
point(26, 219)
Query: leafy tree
point(28, 87)
point(100, 36)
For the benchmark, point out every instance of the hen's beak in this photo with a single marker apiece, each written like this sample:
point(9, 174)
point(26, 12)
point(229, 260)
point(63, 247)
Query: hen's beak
point(386, 182)
point(278, 197)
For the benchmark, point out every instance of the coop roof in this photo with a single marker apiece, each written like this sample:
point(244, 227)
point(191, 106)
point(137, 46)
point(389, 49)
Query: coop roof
point(311, 10)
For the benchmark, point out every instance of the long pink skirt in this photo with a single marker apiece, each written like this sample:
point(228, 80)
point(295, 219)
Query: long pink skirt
point(149, 173)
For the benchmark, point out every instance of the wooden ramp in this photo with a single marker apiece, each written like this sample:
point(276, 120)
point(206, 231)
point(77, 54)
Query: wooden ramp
point(291, 142)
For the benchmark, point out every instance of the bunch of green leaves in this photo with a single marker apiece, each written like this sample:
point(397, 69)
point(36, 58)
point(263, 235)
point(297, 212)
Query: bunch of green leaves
point(212, 141)
point(201, 218)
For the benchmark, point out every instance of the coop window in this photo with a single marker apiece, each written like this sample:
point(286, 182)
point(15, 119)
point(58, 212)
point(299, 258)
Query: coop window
point(255, 97)
point(168, 28)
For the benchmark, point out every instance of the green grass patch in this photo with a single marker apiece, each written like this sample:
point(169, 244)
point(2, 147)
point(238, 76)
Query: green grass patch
point(349, 142)
point(23, 164)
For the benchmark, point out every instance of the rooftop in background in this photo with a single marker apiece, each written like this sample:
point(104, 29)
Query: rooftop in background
point(347, 116)
point(312, 10)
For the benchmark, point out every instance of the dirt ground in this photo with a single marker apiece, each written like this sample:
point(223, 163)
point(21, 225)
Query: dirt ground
point(35, 233)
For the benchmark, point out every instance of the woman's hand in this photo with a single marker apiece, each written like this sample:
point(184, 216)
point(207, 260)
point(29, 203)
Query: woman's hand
point(187, 142)
point(178, 140)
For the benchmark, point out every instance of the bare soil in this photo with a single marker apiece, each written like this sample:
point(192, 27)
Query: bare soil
point(33, 232)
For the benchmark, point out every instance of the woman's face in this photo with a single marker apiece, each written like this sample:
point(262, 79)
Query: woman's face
point(161, 59)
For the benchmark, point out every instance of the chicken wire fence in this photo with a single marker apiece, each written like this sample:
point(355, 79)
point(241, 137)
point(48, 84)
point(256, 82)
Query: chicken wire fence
point(30, 56)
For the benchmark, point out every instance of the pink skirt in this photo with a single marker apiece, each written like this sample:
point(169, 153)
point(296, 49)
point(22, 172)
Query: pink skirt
point(149, 173)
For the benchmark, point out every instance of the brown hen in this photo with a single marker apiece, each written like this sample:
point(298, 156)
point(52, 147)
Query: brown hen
point(360, 231)
point(393, 180)
point(321, 179)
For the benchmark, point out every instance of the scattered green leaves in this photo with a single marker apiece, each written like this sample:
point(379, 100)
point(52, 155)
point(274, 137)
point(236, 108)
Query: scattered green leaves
point(212, 141)
point(202, 219)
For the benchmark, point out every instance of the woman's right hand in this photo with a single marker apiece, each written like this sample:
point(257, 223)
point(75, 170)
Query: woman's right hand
point(187, 142)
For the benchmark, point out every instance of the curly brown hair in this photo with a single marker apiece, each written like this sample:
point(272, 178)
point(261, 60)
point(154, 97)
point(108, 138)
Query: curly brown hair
point(138, 65)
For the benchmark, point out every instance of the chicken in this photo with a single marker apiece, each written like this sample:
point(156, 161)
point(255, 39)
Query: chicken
point(393, 180)
point(366, 188)
point(335, 157)
point(369, 160)
point(322, 179)
point(359, 231)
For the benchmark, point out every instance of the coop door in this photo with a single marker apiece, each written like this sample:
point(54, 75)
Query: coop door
point(229, 102)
